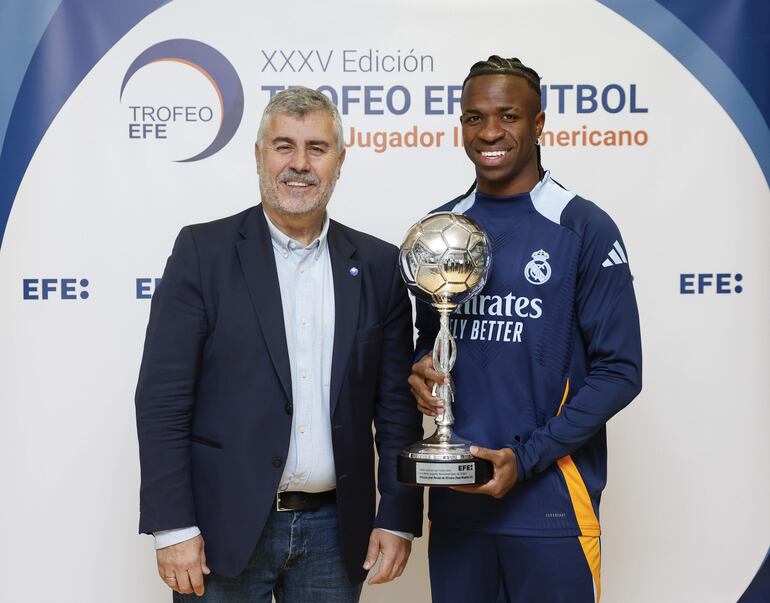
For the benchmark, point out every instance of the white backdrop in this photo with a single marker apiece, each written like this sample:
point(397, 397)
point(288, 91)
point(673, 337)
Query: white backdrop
point(684, 514)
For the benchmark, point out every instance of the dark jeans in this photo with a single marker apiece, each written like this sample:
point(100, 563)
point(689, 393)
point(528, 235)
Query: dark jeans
point(298, 559)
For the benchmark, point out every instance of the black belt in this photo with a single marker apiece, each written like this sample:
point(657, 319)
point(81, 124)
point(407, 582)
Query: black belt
point(303, 501)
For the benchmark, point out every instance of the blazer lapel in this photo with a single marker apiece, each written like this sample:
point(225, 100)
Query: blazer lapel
point(255, 252)
point(347, 275)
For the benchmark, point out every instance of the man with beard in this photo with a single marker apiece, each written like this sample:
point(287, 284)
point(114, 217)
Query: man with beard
point(536, 403)
point(276, 337)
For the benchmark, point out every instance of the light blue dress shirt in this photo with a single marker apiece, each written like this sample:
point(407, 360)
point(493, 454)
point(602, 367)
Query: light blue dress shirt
point(307, 297)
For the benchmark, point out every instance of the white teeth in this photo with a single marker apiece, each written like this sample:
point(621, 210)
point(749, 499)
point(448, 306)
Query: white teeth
point(291, 183)
point(492, 153)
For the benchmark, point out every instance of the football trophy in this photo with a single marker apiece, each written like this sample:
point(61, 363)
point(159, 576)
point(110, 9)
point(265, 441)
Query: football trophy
point(445, 260)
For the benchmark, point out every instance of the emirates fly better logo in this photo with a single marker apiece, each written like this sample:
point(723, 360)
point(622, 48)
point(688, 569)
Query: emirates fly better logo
point(152, 121)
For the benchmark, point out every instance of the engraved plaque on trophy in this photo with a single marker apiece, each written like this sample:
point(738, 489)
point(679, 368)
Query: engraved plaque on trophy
point(445, 260)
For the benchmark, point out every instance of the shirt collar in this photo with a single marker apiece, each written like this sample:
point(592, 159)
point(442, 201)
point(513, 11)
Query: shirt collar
point(285, 244)
point(535, 192)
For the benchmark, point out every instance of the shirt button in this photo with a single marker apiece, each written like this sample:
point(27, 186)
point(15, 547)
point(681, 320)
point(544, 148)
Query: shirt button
point(302, 429)
point(304, 375)
point(301, 270)
point(277, 462)
point(303, 322)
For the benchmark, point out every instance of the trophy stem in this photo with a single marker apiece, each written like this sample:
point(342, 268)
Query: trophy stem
point(444, 355)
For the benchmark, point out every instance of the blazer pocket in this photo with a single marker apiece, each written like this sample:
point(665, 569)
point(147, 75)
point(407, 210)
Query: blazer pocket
point(373, 333)
point(195, 439)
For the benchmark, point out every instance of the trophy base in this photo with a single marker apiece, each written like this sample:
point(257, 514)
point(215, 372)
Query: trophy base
point(443, 459)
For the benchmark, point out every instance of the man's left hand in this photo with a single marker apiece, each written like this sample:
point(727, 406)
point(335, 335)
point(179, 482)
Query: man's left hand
point(506, 472)
point(395, 553)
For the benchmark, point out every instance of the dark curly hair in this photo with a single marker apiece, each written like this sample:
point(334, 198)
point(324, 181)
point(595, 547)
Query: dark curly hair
point(496, 65)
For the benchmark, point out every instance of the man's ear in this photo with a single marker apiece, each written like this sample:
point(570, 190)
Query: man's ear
point(342, 160)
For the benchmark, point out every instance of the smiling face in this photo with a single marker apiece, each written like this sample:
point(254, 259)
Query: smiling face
point(501, 119)
point(298, 163)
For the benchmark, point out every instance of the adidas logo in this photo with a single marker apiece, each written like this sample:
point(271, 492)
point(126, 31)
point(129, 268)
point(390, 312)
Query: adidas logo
point(616, 256)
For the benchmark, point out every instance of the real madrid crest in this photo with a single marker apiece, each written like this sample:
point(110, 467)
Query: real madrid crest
point(538, 270)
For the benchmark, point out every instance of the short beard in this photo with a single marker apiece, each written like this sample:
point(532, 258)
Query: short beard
point(269, 192)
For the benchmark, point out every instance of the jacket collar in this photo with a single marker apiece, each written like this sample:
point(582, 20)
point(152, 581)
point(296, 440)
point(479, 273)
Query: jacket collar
point(255, 252)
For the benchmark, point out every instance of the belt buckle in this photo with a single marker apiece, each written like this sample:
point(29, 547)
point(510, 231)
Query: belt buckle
point(278, 506)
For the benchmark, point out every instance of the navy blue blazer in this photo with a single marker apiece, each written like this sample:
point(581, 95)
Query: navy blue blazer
point(214, 400)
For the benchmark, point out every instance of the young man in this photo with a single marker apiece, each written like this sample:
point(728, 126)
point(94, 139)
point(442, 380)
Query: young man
point(547, 353)
point(275, 338)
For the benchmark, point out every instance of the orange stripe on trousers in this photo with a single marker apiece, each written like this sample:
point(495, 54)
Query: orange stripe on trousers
point(584, 511)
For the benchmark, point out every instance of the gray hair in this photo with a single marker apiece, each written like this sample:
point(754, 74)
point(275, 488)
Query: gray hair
point(299, 101)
